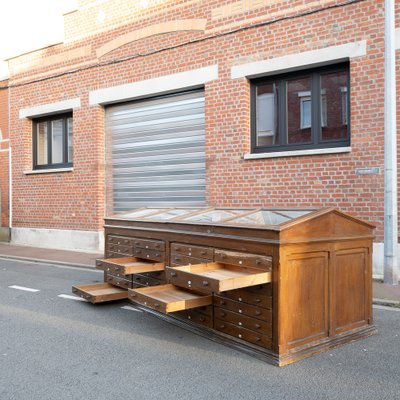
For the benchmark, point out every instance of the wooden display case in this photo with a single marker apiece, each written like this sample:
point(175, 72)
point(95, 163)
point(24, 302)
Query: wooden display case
point(281, 285)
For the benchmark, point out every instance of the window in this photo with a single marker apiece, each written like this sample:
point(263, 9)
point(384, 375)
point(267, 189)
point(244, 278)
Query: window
point(52, 142)
point(302, 110)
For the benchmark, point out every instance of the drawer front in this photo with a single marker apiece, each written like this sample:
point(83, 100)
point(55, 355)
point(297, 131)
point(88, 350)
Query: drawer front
point(242, 296)
point(196, 318)
point(179, 259)
point(265, 289)
point(160, 275)
point(150, 244)
point(242, 333)
point(243, 259)
point(120, 240)
point(100, 292)
point(206, 253)
point(114, 270)
point(117, 281)
point(244, 321)
point(120, 249)
point(245, 309)
point(154, 255)
point(146, 280)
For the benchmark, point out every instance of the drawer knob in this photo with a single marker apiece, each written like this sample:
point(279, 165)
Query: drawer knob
point(189, 283)
point(240, 311)
point(257, 326)
point(147, 247)
point(202, 319)
point(240, 262)
point(177, 248)
point(258, 339)
point(173, 273)
point(258, 300)
point(240, 299)
point(189, 317)
point(205, 283)
point(258, 312)
point(222, 326)
point(240, 324)
point(240, 336)
point(133, 294)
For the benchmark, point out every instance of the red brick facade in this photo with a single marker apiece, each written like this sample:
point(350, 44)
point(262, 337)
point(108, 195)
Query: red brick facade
point(239, 33)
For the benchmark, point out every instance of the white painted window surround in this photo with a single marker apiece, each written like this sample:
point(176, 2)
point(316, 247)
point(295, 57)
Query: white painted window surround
point(293, 153)
point(49, 109)
point(155, 86)
point(296, 61)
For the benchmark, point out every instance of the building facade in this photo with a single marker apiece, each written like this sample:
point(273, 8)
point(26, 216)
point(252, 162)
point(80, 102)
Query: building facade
point(249, 103)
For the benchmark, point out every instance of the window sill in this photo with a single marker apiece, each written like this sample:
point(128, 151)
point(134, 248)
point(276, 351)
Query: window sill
point(293, 153)
point(48, 171)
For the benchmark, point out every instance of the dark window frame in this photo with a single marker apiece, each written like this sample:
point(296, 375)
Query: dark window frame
point(49, 119)
point(281, 81)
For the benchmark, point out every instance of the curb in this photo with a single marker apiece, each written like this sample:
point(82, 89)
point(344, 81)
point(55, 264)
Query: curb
point(43, 261)
point(387, 303)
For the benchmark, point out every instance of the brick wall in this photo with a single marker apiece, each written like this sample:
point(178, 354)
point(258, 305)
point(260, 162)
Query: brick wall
point(4, 155)
point(241, 32)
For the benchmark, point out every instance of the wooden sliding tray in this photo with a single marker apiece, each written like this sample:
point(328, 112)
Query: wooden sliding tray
point(168, 298)
point(216, 277)
point(128, 265)
point(100, 292)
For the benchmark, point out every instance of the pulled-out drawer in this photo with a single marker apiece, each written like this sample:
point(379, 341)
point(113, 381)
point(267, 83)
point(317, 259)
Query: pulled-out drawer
point(245, 309)
point(154, 255)
point(244, 321)
point(120, 282)
point(100, 292)
point(216, 277)
point(243, 259)
point(196, 317)
point(150, 244)
point(243, 296)
point(242, 333)
point(193, 251)
point(168, 298)
point(127, 265)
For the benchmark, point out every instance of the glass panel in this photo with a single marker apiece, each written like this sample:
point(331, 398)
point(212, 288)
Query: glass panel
point(141, 213)
point(41, 139)
point(170, 214)
point(70, 142)
point(267, 115)
point(215, 215)
point(57, 141)
point(334, 109)
point(261, 218)
point(299, 107)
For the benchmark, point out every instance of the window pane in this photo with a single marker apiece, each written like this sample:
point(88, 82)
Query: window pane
point(299, 105)
point(41, 139)
point(70, 148)
point(57, 138)
point(267, 115)
point(334, 102)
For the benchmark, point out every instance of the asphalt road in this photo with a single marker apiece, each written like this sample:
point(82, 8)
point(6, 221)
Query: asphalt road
point(56, 348)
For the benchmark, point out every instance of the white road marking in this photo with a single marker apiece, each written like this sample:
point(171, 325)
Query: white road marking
point(26, 289)
point(386, 308)
point(67, 296)
point(131, 308)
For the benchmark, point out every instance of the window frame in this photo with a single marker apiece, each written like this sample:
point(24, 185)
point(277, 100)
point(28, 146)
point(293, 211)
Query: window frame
point(49, 119)
point(316, 121)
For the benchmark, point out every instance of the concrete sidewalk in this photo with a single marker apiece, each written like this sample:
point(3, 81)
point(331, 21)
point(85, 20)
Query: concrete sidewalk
point(382, 294)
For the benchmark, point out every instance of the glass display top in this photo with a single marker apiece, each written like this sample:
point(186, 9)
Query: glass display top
point(217, 216)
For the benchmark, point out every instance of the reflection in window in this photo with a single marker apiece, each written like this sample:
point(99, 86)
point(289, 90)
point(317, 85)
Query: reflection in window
point(267, 114)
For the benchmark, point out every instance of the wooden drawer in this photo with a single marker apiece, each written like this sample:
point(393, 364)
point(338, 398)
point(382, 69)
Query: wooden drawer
point(180, 260)
point(118, 281)
point(120, 249)
point(120, 240)
point(261, 289)
point(242, 333)
point(153, 255)
point(245, 309)
point(168, 298)
point(150, 244)
point(197, 318)
point(243, 259)
point(244, 321)
point(160, 275)
point(146, 280)
point(216, 277)
point(193, 251)
point(100, 292)
point(242, 296)
point(128, 265)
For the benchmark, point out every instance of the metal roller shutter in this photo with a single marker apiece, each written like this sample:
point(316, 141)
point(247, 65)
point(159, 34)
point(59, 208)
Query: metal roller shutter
point(158, 152)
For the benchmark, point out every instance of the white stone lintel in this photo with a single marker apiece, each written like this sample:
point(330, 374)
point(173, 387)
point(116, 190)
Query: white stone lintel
point(293, 153)
point(51, 108)
point(290, 62)
point(155, 86)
